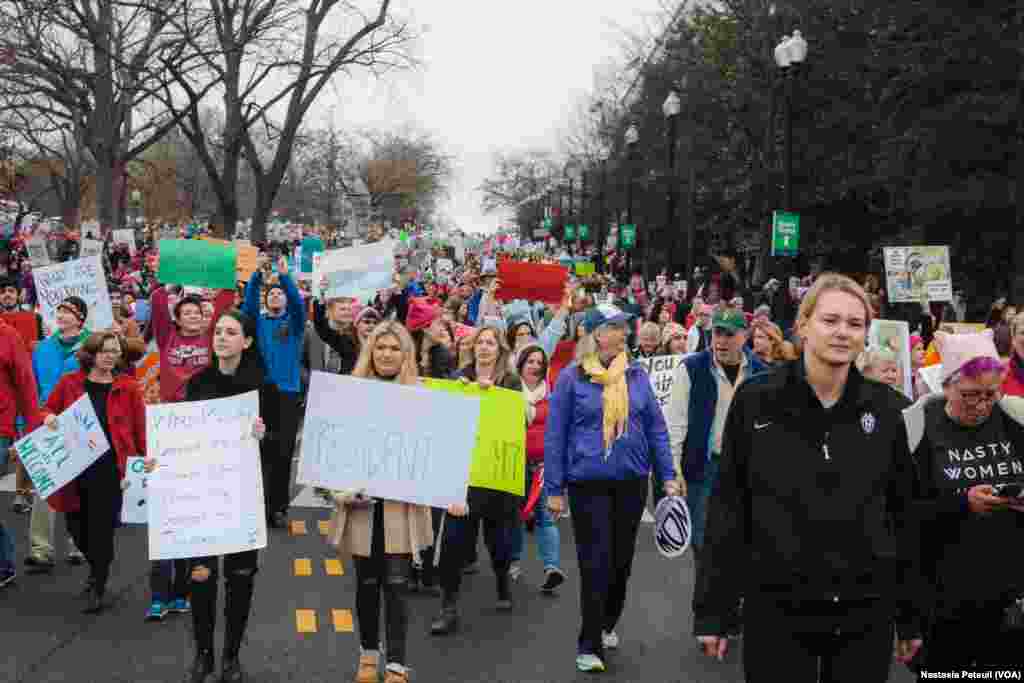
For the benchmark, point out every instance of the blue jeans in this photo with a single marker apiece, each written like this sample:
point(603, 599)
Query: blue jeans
point(549, 542)
point(697, 495)
point(6, 542)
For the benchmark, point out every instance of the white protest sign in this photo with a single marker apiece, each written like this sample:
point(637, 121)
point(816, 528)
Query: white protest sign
point(37, 253)
point(397, 442)
point(206, 494)
point(895, 336)
point(126, 236)
point(53, 458)
point(355, 272)
point(445, 265)
point(661, 370)
point(83, 278)
point(134, 510)
point(913, 272)
point(89, 248)
point(932, 376)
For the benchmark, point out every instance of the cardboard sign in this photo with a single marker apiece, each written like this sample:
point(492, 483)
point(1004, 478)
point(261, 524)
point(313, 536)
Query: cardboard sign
point(83, 278)
point(531, 281)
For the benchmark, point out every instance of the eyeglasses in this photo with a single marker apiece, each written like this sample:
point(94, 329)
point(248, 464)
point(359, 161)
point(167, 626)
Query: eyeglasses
point(111, 352)
point(973, 398)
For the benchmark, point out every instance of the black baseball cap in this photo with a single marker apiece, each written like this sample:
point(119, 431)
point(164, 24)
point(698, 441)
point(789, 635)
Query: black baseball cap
point(77, 307)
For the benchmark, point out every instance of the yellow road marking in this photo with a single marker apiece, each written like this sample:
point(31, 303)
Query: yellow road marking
point(305, 620)
point(298, 527)
point(323, 524)
point(334, 567)
point(342, 620)
point(303, 567)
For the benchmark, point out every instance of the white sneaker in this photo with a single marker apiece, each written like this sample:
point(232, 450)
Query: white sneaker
point(610, 640)
point(589, 663)
point(514, 572)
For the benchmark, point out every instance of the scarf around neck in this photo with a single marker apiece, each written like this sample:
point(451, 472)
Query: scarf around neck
point(615, 396)
point(533, 397)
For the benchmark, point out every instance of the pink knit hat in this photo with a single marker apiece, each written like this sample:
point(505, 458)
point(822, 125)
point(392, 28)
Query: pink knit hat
point(957, 350)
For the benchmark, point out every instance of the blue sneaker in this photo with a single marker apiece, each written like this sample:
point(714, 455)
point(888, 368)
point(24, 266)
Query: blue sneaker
point(180, 606)
point(589, 664)
point(156, 612)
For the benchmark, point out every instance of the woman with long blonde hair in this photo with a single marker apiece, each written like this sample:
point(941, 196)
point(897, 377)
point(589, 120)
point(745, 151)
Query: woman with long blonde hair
point(382, 536)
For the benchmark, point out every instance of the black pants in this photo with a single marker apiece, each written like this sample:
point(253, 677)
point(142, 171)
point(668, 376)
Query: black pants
point(429, 571)
point(168, 579)
point(92, 527)
point(389, 574)
point(974, 641)
point(458, 540)
point(605, 519)
point(817, 643)
point(277, 462)
point(240, 576)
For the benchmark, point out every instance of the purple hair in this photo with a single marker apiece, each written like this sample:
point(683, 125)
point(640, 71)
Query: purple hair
point(976, 367)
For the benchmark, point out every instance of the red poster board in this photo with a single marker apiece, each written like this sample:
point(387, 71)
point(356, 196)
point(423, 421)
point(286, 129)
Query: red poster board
point(532, 281)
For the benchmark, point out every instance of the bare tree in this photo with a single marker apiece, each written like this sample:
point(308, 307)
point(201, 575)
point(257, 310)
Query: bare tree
point(272, 59)
point(95, 65)
point(518, 178)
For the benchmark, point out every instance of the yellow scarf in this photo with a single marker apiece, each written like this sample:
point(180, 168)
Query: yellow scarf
point(615, 396)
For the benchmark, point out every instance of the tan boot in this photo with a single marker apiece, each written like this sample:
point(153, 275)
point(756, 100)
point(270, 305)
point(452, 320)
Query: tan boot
point(367, 672)
point(395, 677)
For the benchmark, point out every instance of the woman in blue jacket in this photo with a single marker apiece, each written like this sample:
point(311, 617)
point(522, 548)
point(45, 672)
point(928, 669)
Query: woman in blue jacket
point(604, 434)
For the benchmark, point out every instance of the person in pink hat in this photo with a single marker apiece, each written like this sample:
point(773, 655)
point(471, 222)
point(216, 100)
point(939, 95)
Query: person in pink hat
point(967, 445)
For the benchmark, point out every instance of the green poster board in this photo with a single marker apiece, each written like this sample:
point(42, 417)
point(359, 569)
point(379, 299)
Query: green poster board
point(585, 268)
point(198, 263)
point(570, 232)
point(584, 232)
point(627, 236)
point(499, 459)
point(785, 233)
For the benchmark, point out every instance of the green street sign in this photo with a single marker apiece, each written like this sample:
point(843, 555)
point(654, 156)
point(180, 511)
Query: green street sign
point(785, 233)
point(570, 232)
point(627, 236)
point(547, 224)
point(584, 232)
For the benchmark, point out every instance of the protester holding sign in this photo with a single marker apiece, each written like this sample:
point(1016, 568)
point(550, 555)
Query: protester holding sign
point(279, 334)
point(237, 369)
point(382, 535)
point(93, 500)
point(16, 383)
point(498, 510)
point(604, 434)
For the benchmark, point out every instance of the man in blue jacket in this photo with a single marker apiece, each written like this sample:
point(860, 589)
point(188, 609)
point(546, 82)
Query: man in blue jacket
point(279, 332)
point(702, 390)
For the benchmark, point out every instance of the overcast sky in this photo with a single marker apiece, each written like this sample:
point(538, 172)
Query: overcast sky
point(496, 76)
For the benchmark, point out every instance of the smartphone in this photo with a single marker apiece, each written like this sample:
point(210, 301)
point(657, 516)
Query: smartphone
point(1009, 490)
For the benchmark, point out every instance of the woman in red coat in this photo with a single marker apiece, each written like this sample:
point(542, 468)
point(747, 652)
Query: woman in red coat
point(92, 501)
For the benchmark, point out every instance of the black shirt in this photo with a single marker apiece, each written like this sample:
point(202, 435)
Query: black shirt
point(732, 372)
point(98, 394)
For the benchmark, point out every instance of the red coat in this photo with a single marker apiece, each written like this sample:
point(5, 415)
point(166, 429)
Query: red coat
point(1011, 385)
point(126, 415)
point(535, 433)
point(17, 384)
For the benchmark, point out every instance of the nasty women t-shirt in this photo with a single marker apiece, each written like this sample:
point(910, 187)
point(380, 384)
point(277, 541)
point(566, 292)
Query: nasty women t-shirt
point(971, 456)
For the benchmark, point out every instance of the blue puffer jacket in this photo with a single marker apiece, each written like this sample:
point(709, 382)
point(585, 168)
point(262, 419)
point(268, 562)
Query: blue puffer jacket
point(574, 439)
point(51, 360)
point(279, 338)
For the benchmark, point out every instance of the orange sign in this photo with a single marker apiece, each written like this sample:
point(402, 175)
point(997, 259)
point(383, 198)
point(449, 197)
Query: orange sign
point(248, 257)
point(147, 372)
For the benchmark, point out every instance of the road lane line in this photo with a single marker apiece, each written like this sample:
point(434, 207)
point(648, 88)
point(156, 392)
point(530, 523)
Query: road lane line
point(303, 567)
point(305, 620)
point(334, 567)
point(342, 620)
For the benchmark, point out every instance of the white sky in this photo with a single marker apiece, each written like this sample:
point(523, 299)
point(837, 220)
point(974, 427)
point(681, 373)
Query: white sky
point(496, 76)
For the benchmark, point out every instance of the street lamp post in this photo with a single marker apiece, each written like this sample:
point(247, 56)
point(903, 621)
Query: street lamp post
point(790, 53)
point(571, 172)
point(602, 154)
point(671, 108)
point(632, 137)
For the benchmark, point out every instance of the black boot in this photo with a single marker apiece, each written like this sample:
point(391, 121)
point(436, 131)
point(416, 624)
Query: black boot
point(231, 670)
point(504, 592)
point(96, 603)
point(446, 622)
point(201, 667)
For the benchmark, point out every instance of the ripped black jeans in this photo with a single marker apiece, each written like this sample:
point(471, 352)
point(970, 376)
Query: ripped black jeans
point(240, 577)
point(387, 574)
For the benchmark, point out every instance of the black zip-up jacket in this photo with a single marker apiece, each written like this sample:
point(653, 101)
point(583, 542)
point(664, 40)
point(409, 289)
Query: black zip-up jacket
point(810, 506)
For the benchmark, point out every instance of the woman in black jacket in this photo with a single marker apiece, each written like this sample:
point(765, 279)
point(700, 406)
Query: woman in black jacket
point(237, 368)
point(499, 511)
point(805, 522)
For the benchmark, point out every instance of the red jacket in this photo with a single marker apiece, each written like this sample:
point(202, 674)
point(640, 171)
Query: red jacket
point(126, 415)
point(535, 433)
point(17, 384)
point(1011, 385)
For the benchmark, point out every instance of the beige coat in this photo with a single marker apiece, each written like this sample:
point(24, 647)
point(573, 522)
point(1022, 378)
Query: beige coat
point(407, 528)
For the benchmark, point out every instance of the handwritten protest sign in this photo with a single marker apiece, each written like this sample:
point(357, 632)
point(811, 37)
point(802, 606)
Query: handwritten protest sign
point(89, 248)
point(913, 272)
point(499, 459)
point(206, 494)
point(134, 510)
point(661, 370)
point(355, 272)
point(53, 458)
point(83, 278)
point(395, 441)
point(37, 253)
point(198, 263)
point(531, 281)
point(126, 236)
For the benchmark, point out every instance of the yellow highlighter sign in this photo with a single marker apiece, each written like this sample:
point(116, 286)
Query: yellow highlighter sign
point(499, 459)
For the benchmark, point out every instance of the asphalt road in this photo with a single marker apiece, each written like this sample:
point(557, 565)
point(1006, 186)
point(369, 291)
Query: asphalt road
point(301, 626)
